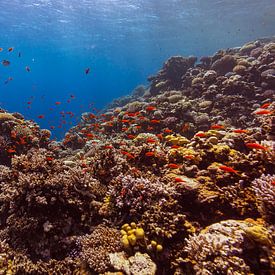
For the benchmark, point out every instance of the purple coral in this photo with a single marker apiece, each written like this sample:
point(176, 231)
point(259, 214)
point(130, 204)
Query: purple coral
point(134, 195)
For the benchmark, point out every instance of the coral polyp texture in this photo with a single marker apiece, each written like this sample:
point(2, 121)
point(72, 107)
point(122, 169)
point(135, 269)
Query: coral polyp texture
point(175, 178)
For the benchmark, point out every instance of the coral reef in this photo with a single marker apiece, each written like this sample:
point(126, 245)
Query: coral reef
point(176, 178)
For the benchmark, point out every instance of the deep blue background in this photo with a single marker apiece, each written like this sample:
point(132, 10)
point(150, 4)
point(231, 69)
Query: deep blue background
point(121, 41)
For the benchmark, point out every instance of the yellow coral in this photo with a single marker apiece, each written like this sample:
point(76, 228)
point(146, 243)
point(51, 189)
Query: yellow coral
point(259, 234)
point(177, 140)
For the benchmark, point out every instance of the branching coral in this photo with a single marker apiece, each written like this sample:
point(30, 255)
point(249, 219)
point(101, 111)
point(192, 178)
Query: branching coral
point(130, 195)
point(97, 246)
point(264, 189)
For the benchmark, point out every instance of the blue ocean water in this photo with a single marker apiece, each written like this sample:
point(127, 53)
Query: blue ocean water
point(121, 41)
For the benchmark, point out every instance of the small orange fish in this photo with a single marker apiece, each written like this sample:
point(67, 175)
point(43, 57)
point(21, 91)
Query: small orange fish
point(41, 116)
point(200, 134)
point(10, 49)
point(173, 166)
point(151, 140)
point(11, 151)
point(108, 147)
point(217, 126)
point(131, 114)
point(240, 131)
point(49, 158)
point(160, 136)
point(125, 120)
point(1, 49)
point(167, 131)
point(179, 180)
point(175, 146)
point(149, 154)
point(149, 128)
point(256, 146)
point(138, 127)
point(189, 157)
point(129, 155)
point(266, 105)
point(89, 135)
point(228, 169)
point(150, 108)
point(52, 127)
point(131, 136)
point(57, 103)
point(263, 112)
point(155, 121)
point(124, 129)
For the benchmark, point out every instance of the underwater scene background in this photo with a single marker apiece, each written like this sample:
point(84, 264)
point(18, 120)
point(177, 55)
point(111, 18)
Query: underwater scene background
point(137, 137)
point(122, 42)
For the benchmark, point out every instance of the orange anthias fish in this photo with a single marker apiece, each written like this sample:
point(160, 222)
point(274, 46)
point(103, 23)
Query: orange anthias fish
point(179, 180)
point(149, 154)
point(200, 134)
point(175, 146)
point(155, 121)
point(151, 140)
point(108, 147)
point(49, 158)
point(129, 155)
point(150, 108)
point(240, 131)
point(173, 166)
point(167, 131)
point(57, 103)
point(228, 169)
point(41, 116)
point(10, 49)
point(266, 105)
point(11, 151)
point(189, 157)
point(263, 112)
point(256, 146)
point(217, 126)
point(131, 136)
point(1, 49)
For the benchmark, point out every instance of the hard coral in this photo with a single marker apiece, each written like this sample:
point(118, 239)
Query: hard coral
point(264, 189)
point(229, 247)
point(130, 195)
point(97, 246)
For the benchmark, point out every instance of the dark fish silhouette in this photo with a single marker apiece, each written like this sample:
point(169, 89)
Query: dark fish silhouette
point(6, 63)
point(87, 70)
